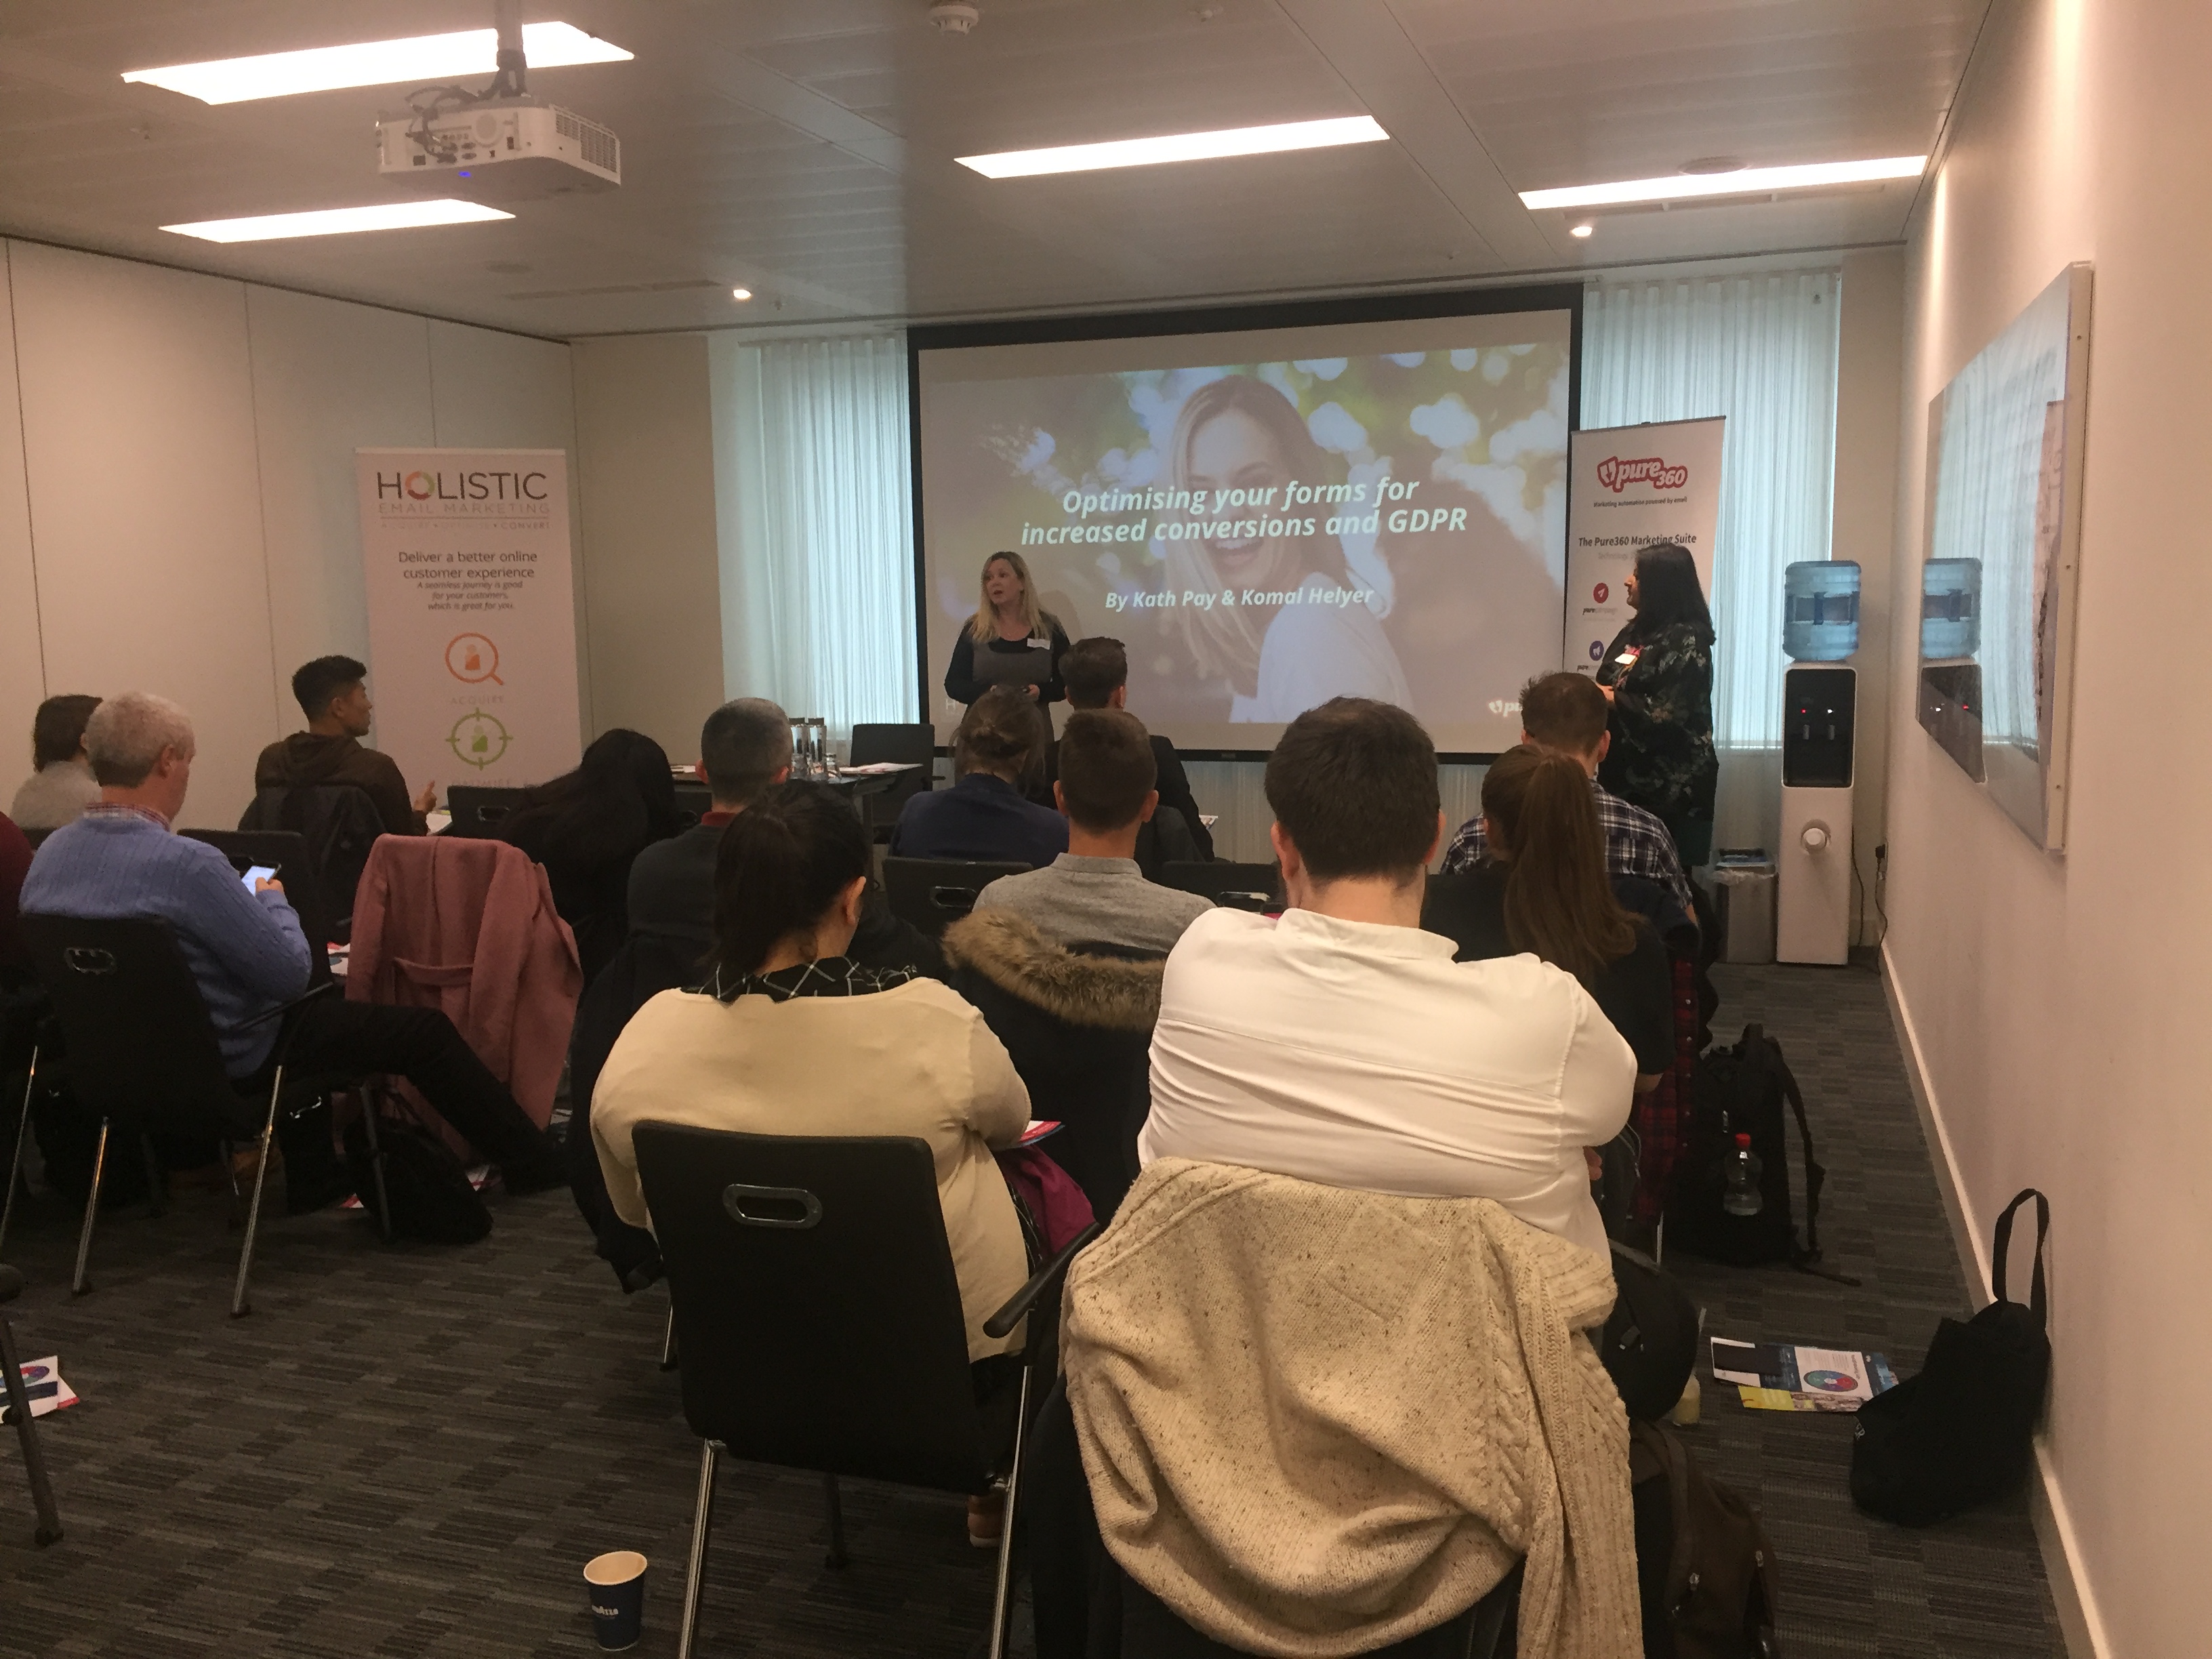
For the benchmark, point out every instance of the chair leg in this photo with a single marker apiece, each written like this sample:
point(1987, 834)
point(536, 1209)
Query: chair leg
point(156, 1189)
point(837, 1560)
point(1002, 1602)
point(702, 1517)
point(22, 1131)
point(668, 1356)
point(27, 1429)
point(79, 1284)
point(239, 1305)
point(370, 1100)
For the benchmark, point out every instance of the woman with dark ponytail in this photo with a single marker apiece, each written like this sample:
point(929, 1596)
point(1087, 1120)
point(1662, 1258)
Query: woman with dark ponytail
point(789, 1035)
point(1543, 889)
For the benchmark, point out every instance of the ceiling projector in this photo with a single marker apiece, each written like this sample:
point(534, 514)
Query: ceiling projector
point(508, 150)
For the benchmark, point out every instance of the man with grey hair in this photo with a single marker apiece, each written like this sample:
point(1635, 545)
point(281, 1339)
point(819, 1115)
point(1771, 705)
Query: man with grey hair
point(247, 953)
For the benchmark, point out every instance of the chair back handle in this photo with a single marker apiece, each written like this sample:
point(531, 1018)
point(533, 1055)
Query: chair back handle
point(737, 1195)
point(953, 898)
point(88, 959)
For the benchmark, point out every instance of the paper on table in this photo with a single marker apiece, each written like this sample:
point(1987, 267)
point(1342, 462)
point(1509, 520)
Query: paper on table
point(877, 769)
point(438, 822)
point(42, 1381)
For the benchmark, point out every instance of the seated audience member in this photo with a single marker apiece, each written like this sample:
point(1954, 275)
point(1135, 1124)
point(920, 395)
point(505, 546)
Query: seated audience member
point(1093, 893)
point(791, 1035)
point(588, 827)
point(1542, 890)
point(333, 693)
point(246, 951)
point(745, 750)
point(61, 784)
point(1095, 671)
point(15, 865)
point(1341, 1044)
point(1566, 714)
point(999, 745)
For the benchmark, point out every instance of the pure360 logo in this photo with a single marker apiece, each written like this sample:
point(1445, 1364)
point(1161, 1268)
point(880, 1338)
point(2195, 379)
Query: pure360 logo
point(1617, 475)
point(460, 486)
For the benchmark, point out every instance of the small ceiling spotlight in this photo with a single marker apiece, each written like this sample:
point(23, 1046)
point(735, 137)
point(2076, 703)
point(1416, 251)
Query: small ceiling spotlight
point(741, 293)
point(955, 17)
point(1581, 229)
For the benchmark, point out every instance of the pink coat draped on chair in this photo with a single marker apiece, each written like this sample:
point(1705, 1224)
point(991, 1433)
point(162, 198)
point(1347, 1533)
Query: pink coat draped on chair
point(469, 927)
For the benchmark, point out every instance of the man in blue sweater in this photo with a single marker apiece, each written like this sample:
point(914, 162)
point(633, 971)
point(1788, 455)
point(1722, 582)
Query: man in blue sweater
point(249, 955)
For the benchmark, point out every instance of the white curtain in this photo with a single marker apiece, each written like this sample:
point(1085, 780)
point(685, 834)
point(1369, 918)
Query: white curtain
point(816, 516)
point(1761, 349)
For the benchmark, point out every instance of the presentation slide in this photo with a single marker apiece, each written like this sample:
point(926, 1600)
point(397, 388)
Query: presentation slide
point(1266, 518)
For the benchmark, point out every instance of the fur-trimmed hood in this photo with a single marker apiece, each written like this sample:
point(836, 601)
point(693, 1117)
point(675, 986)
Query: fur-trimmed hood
point(1108, 992)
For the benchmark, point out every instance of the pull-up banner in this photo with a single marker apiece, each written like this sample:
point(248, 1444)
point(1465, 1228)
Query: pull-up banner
point(1631, 486)
point(471, 612)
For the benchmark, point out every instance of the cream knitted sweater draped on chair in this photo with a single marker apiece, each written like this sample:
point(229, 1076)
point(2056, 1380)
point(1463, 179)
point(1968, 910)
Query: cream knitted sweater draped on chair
point(1316, 1420)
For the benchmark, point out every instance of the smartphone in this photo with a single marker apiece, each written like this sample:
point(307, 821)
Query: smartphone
point(259, 873)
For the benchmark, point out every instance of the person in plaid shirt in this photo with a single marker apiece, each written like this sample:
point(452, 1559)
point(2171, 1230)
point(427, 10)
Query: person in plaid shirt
point(1566, 714)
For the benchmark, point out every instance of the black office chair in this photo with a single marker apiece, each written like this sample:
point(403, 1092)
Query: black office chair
point(932, 894)
point(694, 800)
point(337, 825)
point(914, 745)
point(1241, 886)
point(820, 1322)
point(478, 811)
point(49, 1529)
point(1488, 1629)
point(142, 1051)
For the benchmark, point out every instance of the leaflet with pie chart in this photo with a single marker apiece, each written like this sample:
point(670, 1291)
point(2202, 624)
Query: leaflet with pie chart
point(1781, 1377)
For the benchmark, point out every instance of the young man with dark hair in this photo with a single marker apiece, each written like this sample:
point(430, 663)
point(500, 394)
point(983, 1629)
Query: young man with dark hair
point(1094, 893)
point(1341, 1044)
point(1096, 672)
point(744, 750)
point(333, 693)
point(1567, 715)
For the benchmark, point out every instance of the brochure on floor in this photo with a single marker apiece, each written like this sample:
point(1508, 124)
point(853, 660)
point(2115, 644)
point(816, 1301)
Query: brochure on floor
point(42, 1382)
point(1787, 1377)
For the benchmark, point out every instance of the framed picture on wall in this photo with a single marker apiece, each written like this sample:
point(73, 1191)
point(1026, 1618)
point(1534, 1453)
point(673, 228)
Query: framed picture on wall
point(2003, 531)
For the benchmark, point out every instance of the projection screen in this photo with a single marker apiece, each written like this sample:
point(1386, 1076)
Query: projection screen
point(1265, 516)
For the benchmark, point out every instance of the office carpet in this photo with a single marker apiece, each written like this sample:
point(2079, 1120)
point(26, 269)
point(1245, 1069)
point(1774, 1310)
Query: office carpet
point(410, 1451)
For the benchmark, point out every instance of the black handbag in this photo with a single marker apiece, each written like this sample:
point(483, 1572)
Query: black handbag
point(1962, 1431)
point(1650, 1343)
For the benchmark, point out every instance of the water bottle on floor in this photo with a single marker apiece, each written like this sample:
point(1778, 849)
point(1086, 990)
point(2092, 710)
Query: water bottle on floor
point(1742, 1196)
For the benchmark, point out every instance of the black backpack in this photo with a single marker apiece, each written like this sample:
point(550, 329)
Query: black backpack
point(426, 1185)
point(1740, 1091)
point(1961, 1431)
point(1704, 1571)
point(1650, 1343)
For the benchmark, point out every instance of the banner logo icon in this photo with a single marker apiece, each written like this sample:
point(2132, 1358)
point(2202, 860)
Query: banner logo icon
point(1617, 475)
point(1599, 592)
point(473, 659)
point(478, 739)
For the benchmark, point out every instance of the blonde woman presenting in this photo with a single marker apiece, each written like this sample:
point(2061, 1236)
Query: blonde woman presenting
point(1010, 640)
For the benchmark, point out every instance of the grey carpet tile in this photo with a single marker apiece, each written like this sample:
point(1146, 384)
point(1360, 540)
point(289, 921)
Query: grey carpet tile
point(411, 1452)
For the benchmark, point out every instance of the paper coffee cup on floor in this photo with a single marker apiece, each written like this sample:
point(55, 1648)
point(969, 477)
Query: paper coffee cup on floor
point(617, 1580)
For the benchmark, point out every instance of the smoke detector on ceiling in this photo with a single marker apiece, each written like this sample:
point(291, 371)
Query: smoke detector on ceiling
point(955, 17)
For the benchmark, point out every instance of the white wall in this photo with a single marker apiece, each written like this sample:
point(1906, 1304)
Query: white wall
point(177, 511)
point(2056, 1007)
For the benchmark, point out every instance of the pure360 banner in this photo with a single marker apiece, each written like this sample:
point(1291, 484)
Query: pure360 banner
point(471, 612)
point(1632, 486)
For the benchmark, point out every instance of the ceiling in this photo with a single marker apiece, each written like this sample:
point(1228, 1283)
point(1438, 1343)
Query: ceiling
point(804, 148)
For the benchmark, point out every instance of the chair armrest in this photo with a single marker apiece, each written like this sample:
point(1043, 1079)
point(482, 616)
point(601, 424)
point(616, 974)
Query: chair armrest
point(284, 1009)
point(1018, 1306)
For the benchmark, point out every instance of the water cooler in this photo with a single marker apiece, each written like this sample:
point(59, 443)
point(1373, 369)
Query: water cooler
point(1813, 898)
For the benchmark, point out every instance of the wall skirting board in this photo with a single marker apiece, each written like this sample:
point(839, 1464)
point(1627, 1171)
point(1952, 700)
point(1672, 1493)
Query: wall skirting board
point(2054, 1528)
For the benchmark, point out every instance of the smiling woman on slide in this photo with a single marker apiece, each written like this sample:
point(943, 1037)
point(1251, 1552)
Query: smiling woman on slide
point(1279, 659)
point(1010, 640)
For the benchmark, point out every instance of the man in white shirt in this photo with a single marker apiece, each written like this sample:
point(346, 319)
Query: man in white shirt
point(1343, 1045)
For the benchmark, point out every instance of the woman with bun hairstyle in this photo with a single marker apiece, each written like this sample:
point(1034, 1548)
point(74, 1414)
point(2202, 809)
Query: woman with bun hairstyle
point(1010, 641)
point(1310, 637)
point(1543, 889)
point(998, 757)
point(1658, 676)
point(790, 1037)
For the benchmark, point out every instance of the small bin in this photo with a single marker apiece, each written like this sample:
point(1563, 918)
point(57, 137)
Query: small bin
point(1743, 894)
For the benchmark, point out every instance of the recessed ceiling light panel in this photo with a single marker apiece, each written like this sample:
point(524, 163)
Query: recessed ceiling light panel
point(1176, 147)
point(340, 222)
point(420, 58)
point(1748, 181)
point(741, 293)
